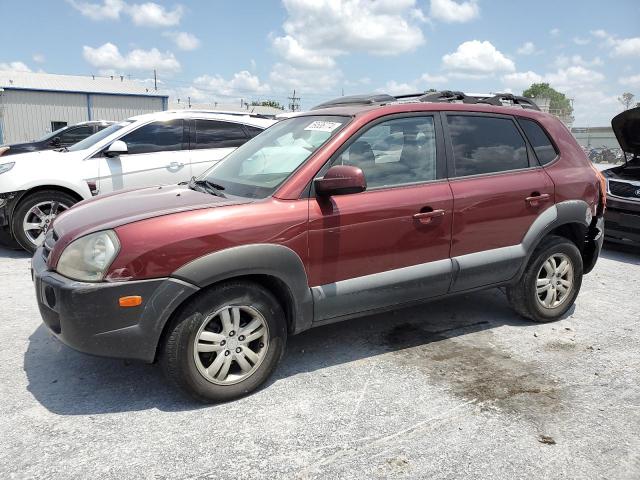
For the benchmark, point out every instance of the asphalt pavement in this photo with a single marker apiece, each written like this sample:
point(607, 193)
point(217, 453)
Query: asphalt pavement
point(455, 389)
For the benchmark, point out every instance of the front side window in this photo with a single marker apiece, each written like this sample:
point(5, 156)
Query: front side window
point(97, 137)
point(395, 152)
point(216, 134)
point(155, 137)
point(485, 145)
point(261, 165)
point(539, 140)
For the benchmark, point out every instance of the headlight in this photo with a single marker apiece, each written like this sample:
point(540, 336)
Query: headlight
point(88, 258)
point(5, 167)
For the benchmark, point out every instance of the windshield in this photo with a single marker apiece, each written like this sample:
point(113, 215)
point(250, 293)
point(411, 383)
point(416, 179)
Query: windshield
point(257, 168)
point(51, 135)
point(96, 137)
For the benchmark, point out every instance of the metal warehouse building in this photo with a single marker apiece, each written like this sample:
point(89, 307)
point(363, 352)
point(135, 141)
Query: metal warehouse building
point(32, 104)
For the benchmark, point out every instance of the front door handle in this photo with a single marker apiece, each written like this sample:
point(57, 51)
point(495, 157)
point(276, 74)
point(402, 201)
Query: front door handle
point(427, 217)
point(536, 200)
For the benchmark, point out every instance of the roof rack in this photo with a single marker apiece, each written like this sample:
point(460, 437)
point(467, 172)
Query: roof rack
point(444, 96)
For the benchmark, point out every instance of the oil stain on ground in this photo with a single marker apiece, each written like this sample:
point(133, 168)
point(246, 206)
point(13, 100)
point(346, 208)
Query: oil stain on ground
point(485, 374)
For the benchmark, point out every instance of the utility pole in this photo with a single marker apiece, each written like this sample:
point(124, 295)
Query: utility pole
point(294, 102)
point(155, 80)
point(189, 98)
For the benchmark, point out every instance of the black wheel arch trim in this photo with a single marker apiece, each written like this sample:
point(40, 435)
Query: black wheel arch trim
point(272, 260)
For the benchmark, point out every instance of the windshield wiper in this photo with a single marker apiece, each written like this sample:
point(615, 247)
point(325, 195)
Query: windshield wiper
point(207, 187)
point(62, 149)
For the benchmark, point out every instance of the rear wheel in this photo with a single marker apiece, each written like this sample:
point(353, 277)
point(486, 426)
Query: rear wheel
point(550, 283)
point(226, 342)
point(34, 214)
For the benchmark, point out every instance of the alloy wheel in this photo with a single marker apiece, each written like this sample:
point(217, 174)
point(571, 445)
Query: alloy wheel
point(38, 218)
point(554, 283)
point(231, 344)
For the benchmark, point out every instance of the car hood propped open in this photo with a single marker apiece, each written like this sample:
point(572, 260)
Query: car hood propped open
point(626, 126)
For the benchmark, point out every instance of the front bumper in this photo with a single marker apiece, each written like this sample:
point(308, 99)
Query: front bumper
point(7, 203)
point(87, 316)
point(622, 221)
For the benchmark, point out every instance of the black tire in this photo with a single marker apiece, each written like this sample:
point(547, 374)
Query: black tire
point(523, 295)
point(177, 352)
point(29, 202)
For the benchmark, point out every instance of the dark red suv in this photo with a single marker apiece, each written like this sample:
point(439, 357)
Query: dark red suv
point(362, 204)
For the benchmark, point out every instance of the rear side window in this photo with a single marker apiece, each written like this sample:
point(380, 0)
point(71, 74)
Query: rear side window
point(214, 134)
point(253, 131)
point(485, 145)
point(545, 151)
point(155, 137)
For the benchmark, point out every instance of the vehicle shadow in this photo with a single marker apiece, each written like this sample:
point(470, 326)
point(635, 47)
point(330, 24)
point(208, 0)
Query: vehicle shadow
point(621, 253)
point(69, 383)
point(11, 253)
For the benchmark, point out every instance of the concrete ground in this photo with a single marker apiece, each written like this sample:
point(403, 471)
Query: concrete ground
point(459, 388)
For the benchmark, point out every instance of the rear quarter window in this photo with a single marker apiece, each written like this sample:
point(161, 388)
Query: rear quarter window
point(539, 140)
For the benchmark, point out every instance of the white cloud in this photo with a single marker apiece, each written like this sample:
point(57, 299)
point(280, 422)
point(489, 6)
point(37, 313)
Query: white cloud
point(14, 66)
point(554, 32)
point(107, 10)
point(317, 32)
point(519, 81)
point(147, 14)
point(527, 48)
point(153, 15)
point(420, 84)
point(620, 47)
point(573, 78)
point(288, 77)
point(477, 58)
point(108, 56)
point(632, 81)
point(183, 40)
point(431, 80)
point(581, 41)
point(563, 61)
point(241, 84)
point(38, 58)
point(450, 11)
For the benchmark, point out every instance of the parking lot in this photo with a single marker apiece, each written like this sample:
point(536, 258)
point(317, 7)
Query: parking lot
point(456, 388)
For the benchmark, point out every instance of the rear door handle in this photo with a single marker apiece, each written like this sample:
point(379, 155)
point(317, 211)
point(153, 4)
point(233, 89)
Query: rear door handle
point(534, 200)
point(428, 217)
point(176, 165)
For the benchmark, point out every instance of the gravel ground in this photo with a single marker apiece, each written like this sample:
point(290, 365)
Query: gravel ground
point(459, 388)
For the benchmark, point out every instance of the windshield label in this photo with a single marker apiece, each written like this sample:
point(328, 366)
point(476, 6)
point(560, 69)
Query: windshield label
point(321, 126)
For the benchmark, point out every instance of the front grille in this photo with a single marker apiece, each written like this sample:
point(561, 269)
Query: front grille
point(624, 189)
point(50, 240)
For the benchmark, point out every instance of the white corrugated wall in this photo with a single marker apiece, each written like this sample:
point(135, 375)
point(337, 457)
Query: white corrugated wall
point(119, 107)
point(27, 115)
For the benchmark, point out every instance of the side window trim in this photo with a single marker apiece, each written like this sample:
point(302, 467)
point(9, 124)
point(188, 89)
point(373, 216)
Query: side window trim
point(451, 168)
point(440, 150)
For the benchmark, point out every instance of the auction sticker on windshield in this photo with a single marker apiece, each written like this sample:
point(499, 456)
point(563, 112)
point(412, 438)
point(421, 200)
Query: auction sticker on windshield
point(321, 126)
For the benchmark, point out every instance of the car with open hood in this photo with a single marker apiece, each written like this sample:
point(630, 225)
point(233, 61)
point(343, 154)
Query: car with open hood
point(622, 220)
point(152, 149)
point(361, 205)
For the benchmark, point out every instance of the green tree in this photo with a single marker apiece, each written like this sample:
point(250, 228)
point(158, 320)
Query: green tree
point(559, 105)
point(268, 103)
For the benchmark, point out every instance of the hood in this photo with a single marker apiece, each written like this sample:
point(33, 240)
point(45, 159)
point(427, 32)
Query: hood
point(116, 209)
point(26, 156)
point(15, 148)
point(626, 126)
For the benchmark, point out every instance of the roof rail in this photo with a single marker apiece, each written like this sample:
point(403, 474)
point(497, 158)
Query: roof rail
point(370, 99)
point(442, 96)
point(498, 99)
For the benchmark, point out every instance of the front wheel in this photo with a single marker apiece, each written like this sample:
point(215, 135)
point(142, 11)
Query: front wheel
point(34, 214)
point(550, 283)
point(226, 342)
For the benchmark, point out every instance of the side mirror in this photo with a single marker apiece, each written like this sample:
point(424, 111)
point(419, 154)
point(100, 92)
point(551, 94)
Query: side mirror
point(341, 180)
point(55, 142)
point(116, 148)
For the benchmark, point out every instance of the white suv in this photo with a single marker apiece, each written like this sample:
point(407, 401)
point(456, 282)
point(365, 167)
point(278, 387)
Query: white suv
point(158, 148)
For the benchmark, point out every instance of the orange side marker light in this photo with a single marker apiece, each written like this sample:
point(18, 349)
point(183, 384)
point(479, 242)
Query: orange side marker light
point(131, 301)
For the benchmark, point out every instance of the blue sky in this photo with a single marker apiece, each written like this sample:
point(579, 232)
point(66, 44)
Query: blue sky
point(226, 50)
